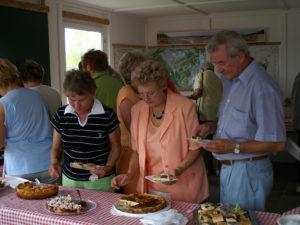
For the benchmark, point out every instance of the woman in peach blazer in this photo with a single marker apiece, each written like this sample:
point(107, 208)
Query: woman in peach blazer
point(161, 127)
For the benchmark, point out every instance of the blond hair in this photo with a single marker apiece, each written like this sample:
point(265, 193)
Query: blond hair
point(150, 71)
point(9, 74)
point(128, 62)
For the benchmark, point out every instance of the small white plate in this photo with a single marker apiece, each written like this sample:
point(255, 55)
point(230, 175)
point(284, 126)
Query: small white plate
point(14, 181)
point(292, 219)
point(202, 141)
point(152, 179)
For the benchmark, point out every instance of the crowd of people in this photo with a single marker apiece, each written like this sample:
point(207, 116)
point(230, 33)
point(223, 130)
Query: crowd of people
point(133, 123)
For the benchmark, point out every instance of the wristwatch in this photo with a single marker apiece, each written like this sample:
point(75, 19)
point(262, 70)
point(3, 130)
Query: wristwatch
point(236, 149)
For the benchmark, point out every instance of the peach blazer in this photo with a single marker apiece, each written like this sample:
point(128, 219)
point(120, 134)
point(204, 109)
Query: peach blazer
point(180, 123)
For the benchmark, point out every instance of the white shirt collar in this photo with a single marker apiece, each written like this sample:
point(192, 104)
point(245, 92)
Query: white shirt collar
point(96, 109)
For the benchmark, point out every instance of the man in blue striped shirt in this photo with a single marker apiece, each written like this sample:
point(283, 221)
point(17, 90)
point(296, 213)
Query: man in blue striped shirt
point(250, 123)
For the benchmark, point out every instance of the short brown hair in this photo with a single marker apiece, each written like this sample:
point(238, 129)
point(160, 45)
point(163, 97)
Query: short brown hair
point(31, 71)
point(9, 74)
point(79, 82)
point(96, 59)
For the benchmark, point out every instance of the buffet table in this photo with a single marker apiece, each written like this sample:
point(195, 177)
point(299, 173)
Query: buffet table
point(14, 210)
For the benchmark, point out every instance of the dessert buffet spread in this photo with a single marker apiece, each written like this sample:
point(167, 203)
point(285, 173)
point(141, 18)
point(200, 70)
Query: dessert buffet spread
point(28, 190)
point(216, 214)
point(140, 203)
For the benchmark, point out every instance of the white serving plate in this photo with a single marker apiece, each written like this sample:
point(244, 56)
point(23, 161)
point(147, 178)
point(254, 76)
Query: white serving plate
point(14, 181)
point(292, 219)
point(137, 215)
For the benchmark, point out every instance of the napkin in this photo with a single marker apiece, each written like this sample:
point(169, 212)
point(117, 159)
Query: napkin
point(170, 217)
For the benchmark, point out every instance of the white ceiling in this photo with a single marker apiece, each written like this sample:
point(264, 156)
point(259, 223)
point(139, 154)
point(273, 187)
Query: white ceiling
point(154, 8)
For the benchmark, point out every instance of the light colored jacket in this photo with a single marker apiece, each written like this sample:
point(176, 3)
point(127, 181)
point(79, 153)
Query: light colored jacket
point(179, 125)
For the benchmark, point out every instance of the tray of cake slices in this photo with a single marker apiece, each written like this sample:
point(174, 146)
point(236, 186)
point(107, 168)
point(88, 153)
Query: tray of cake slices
point(219, 214)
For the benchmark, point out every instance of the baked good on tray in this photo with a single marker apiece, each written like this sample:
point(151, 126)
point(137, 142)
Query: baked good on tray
point(27, 190)
point(141, 203)
point(216, 214)
point(64, 205)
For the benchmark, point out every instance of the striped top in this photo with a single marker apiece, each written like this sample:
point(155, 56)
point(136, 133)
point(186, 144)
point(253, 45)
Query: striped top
point(86, 142)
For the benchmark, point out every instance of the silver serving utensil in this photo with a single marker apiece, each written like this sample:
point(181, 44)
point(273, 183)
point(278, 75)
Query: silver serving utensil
point(37, 181)
point(81, 202)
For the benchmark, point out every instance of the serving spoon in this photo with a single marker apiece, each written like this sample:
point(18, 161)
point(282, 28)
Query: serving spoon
point(80, 201)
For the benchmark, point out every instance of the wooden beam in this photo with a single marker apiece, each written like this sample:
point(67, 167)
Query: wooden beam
point(25, 5)
point(77, 16)
point(128, 46)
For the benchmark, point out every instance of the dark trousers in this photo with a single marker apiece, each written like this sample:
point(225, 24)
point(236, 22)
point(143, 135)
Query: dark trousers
point(209, 160)
point(298, 143)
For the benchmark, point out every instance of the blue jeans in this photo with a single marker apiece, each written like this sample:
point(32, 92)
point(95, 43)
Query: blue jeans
point(246, 183)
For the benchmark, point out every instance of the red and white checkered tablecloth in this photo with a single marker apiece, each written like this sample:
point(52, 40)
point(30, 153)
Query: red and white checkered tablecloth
point(293, 211)
point(16, 211)
point(267, 218)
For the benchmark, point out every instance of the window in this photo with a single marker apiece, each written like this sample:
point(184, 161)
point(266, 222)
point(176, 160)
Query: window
point(80, 38)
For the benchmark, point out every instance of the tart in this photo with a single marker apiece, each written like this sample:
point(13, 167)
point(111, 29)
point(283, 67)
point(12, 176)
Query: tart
point(27, 190)
point(140, 203)
point(62, 205)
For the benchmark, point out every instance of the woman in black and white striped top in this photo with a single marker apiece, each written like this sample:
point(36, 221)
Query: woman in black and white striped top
point(89, 133)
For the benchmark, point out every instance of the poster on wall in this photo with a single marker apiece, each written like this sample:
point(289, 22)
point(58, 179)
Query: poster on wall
point(251, 35)
point(268, 57)
point(120, 50)
point(183, 63)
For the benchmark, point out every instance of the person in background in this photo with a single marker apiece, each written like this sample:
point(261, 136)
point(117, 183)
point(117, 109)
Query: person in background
point(207, 93)
point(89, 132)
point(127, 97)
point(116, 75)
point(295, 102)
point(162, 125)
point(111, 72)
point(250, 125)
point(95, 62)
point(25, 131)
point(32, 76)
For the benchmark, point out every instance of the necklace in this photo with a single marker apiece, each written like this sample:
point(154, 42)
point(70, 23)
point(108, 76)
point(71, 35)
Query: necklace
point(158, 117)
